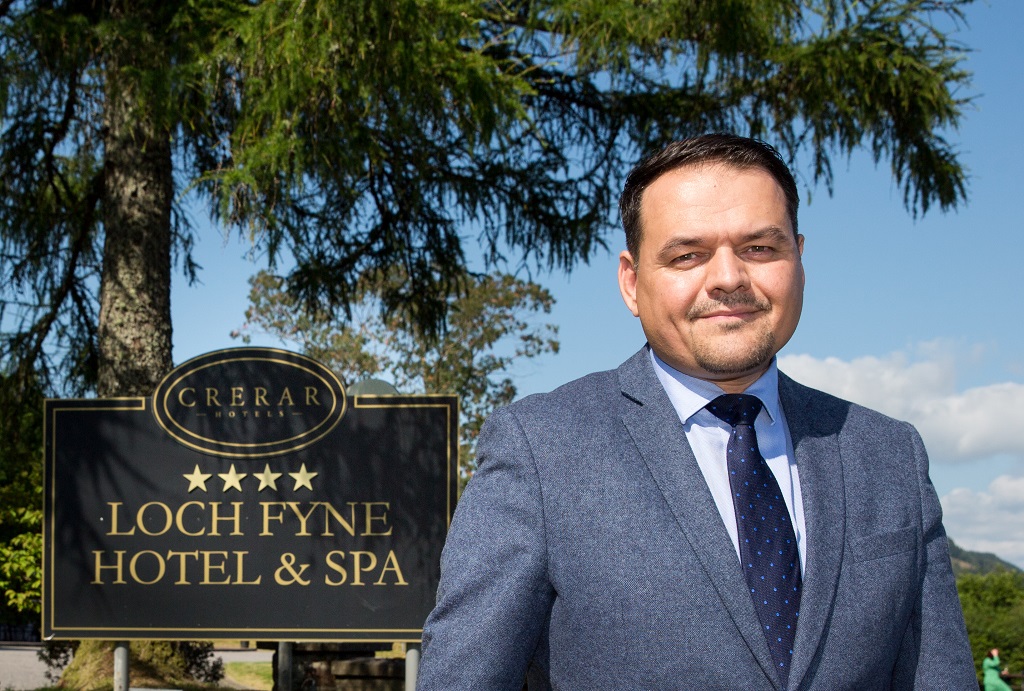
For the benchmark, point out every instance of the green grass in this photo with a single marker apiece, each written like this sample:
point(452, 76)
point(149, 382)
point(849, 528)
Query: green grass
point(252, 675)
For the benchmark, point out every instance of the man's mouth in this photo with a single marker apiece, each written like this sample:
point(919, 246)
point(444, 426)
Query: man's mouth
point(726, 314)
point(743, 309)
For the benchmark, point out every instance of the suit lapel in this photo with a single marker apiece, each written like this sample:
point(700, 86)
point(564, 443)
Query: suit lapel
point(813, 423)
point(658, 434)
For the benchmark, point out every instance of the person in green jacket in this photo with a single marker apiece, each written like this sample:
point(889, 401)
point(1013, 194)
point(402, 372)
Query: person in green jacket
point(993, 679)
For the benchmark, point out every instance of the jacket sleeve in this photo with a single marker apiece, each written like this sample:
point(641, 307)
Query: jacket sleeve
point(935, 653)
point(494, 596)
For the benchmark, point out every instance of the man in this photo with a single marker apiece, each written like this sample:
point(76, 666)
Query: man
point(696, 519)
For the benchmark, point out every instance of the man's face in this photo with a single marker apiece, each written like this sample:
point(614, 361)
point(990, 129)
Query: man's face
point(718, 285)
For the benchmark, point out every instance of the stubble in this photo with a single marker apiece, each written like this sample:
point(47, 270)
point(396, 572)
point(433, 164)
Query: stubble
point(738, 348)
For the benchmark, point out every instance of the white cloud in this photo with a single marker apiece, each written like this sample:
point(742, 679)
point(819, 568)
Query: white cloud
point(988, 521)
point(980, 429)
point(960, 426)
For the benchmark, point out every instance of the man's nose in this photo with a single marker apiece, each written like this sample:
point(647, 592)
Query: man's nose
point(726, 272)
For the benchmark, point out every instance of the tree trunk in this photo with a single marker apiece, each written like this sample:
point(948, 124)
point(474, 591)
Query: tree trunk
point(134, 331)
point(134, 338)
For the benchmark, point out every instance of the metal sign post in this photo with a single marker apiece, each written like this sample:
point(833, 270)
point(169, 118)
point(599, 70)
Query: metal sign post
point(284, 666)
point(121, 672)
point(412, 665)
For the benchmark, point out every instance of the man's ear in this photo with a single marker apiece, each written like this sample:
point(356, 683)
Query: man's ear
point(800, 248)
point(627, 281)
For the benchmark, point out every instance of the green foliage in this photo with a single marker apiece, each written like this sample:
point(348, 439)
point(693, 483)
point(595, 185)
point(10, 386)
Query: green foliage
point(196, 659)
point(21, 565)
point(61, 63)
point(21, 502)
point(258, 676)
point(488, 327)
point(361, 137)
point(993, 607)
point(152, 664)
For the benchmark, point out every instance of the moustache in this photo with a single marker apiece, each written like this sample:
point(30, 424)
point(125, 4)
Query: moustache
point(706, 307)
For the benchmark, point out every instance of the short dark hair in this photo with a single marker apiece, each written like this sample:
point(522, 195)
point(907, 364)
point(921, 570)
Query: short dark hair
point(728, 149)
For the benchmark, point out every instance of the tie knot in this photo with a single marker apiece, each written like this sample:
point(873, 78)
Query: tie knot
point(735, 408)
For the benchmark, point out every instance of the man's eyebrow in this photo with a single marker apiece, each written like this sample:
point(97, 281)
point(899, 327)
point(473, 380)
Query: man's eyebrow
point(769, 232)
point(772, 232)
point(680, 242)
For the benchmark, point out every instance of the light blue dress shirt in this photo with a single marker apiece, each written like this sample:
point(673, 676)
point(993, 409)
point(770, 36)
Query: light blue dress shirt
point(709, 436)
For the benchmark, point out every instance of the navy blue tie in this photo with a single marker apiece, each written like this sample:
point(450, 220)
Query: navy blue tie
point(768, 551)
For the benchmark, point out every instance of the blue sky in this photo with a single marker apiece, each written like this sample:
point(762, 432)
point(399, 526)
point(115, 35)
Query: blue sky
point(912, 317)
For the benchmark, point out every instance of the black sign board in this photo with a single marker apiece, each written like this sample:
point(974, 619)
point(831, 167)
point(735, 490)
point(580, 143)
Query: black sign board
point(249, 497)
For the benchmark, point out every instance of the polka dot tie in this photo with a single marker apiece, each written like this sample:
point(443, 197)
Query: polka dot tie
point(767, 541)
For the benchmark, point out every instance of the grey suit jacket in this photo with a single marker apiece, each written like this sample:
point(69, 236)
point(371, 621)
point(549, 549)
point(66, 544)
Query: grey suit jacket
point(587, 549)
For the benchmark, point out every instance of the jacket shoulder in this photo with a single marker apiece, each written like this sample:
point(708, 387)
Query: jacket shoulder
point(594, 395)
point(814, 412)
point(802, 396)
point(581, 398)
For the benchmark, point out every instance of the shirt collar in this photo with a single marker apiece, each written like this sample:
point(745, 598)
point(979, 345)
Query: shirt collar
point(689, 395)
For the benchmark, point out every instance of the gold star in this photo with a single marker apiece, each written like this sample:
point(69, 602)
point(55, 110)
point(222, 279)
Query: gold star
point(197, 478)
point(267, 479)
point(303, 477)
point(232, 479)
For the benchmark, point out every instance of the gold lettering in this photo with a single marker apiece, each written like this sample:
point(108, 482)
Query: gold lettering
point(181, 397)
point(288, 565)
point(181, 564)
point(113, 519)
point(370, 518)
point(237, 396)
point(118, 567)
point(140, 519)
point(285, 397)
point(217, 518)
point(357, 557)
point(180, 523)
point(240, 571)
point(294, 506)
point(333, 565)
point(209, 566)
point(391, 564)
point(261, 396)
point(329, 511)
point(161, 568)
point(267, 517)
point(375, 517)
point(311, 393)
point(211, 397)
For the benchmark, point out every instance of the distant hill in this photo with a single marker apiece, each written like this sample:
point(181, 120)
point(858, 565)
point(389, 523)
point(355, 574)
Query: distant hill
point(965, 561)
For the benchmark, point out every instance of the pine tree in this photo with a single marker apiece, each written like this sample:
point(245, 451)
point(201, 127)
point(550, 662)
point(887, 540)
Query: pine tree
point(358, 136)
